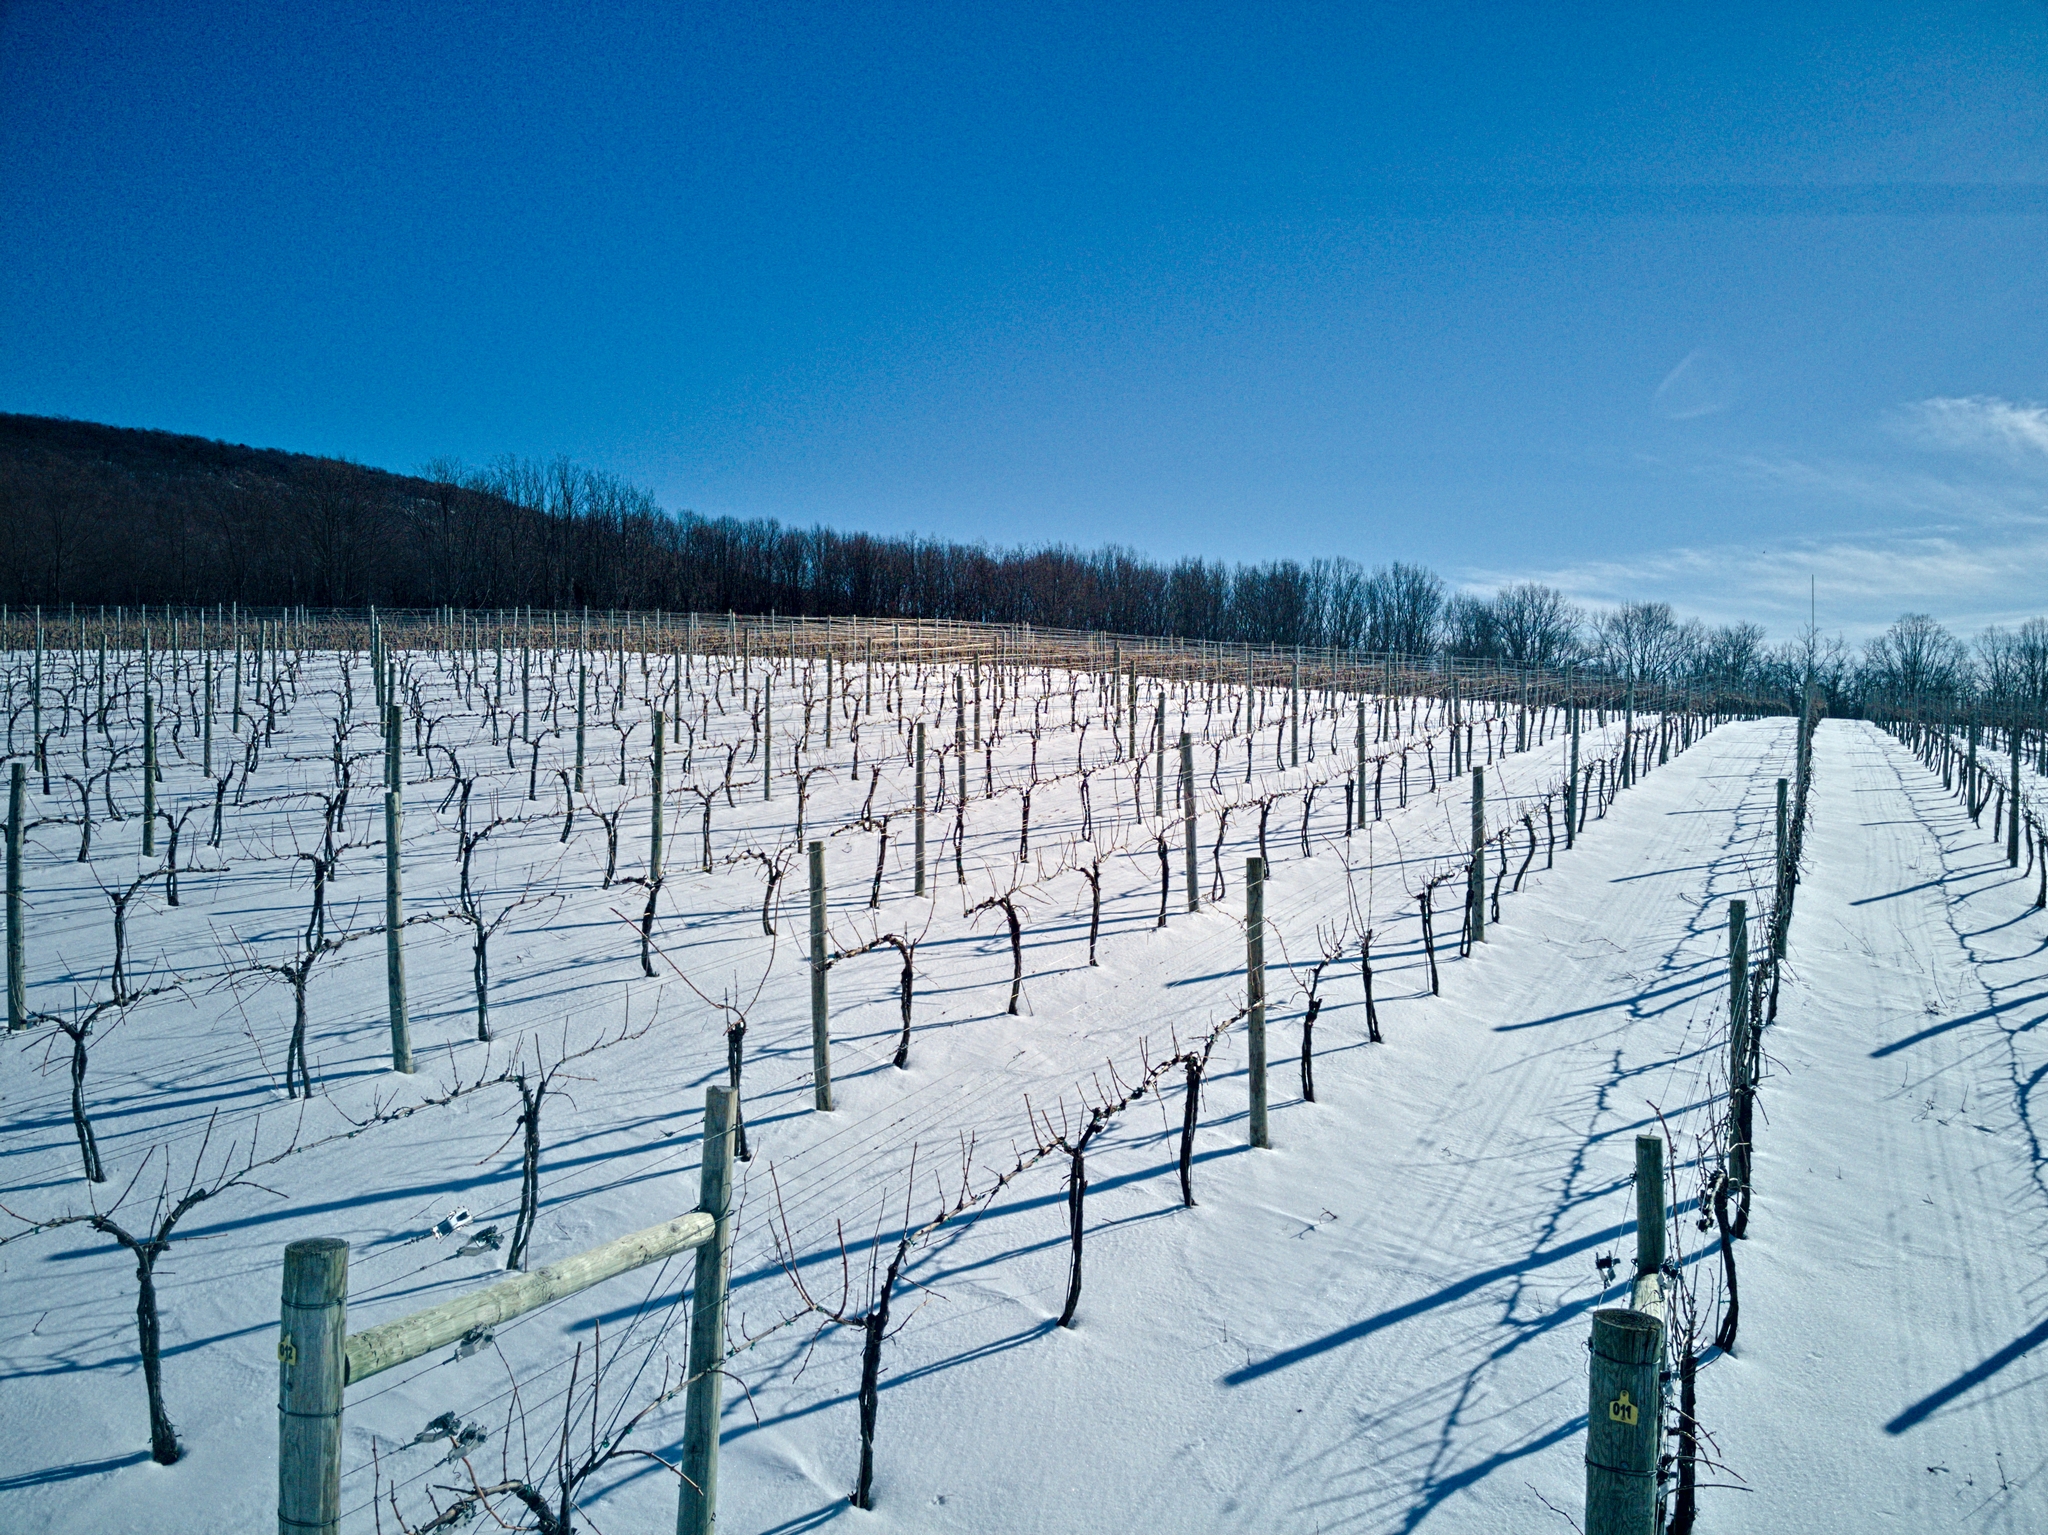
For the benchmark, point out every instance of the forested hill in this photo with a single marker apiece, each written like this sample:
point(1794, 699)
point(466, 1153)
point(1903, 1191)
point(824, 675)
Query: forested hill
point(104, 514)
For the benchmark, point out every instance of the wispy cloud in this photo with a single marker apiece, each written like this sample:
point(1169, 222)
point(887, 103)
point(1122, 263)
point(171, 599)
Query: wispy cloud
point(1959, 530)
point(1859, 582)
point(1979, 423)
point(1701, 385)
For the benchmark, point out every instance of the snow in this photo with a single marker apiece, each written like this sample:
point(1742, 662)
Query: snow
point(1379, 1324)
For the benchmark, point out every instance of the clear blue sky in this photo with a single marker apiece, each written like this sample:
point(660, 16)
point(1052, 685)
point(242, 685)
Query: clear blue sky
point(1672, 300)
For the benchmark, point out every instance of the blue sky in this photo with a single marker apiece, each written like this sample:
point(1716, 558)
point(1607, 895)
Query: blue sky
point(1682, 301)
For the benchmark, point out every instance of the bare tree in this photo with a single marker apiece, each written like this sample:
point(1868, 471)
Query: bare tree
point(147, 1244)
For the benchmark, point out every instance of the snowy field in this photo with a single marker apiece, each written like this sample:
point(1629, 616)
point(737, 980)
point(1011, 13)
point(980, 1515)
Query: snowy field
point(1378, 1324)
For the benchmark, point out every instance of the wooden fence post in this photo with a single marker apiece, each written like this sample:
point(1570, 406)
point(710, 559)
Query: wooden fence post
point(394, 930)
point(17, 938)
point(1255, 991)
point(918, 804)
point(1623, 1423)
point(312, 1332)
point(821, 1037)
point(1187, 797)
point(697, 1507)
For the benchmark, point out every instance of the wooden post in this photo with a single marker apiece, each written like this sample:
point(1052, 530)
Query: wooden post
point(35, 694)
point(2012, 820)
point(1781, 918)
point(1479, 855)
point(1628, 735)
point(1739, 1085)
point(960, 731)
point(654, 828)
point(1255, 991)
point(17, 820)
point(1359, 773)
point(1132, 679)
point(918, 807)
point(1294, 711)
point(312, 1334)
point(821, 1038)
point(1623, 1423)
point(1187, 798)
point(394, 930)
point(582, 692)
point(1571, 779)
point(768, 736)
point(1649, 1204)
point(697, 1508)
point(1159, 761)
point(148, 773)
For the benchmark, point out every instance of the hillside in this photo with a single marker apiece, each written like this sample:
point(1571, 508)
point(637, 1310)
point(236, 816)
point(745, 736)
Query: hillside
point(104, 514)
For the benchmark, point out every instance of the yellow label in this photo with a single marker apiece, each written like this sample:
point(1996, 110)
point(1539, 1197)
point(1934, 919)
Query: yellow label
point(1622, 1410)
point(287, 1351)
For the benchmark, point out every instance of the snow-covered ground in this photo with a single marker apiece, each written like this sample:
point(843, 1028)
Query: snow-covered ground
point(1377, 1324)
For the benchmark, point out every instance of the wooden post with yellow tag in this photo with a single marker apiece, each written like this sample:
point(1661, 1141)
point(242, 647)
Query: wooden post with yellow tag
point(1623, 1423)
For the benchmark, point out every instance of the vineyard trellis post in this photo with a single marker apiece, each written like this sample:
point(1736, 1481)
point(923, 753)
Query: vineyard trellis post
point(318, 1359)
point(1623, 1422)
point(17, 821)
point(1187, 799)
point(1359, 771)
point(312, 1369)
point(1571, 777)
point(1294, 711)
point(148, 773)
point(654, 826)
point(394, 926)
point(918, 807)
point(1255, 992)
point(582, 698)
point(1625, 1407)
point(960, 731)
point(1784, 875)
point(1740, 1087)
point(1649, 1211)
point(2012, 821)
point(697, 1503)
point(1478, 892)
point(1159, 759)
point(821, 1037)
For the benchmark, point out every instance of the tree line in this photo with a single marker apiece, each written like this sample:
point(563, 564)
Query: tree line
point(100, 514)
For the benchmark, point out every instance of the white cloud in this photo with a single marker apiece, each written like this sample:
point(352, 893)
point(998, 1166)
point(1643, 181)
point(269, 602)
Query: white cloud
point(1701, 385)
point(1965, 539)
point(1860, 582)
point(1979, 423)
